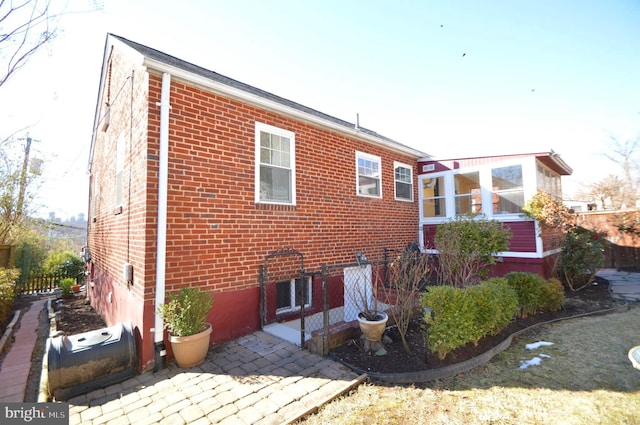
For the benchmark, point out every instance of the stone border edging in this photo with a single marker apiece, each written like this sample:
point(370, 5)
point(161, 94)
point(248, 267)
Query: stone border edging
point(9, 331)
point(467, 365)
point(43, 392)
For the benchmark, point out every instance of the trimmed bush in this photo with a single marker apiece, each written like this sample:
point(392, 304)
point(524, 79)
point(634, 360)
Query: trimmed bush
point(534, 293)
point(7, 292)
point(464, 315)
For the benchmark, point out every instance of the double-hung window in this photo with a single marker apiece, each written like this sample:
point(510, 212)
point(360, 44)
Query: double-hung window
point(369, 175)
point(434, 201)
point(508, 191)
point(275, 165)
point(289, 294)
point(404, 181)
point(468, 197)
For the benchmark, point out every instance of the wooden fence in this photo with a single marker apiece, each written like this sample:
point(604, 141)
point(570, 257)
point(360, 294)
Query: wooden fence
point(42, 283)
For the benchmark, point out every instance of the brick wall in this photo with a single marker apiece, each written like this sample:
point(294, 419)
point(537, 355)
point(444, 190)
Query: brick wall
point(217, 235)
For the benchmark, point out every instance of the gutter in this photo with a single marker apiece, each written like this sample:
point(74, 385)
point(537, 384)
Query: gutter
point(161, 250)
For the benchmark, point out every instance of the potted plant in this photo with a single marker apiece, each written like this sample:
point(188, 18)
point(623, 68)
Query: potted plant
point(185, 317)
point(371, 320)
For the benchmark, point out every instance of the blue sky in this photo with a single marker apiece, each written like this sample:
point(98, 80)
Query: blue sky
point(451, 78)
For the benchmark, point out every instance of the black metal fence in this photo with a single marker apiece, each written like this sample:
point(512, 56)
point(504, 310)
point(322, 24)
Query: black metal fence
point(333, 296)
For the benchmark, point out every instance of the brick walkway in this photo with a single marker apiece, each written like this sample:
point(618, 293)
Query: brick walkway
point(15, 368)
point(257, 379)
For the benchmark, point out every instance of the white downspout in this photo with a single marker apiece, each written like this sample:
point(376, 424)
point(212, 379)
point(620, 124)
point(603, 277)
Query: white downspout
point(163, 175)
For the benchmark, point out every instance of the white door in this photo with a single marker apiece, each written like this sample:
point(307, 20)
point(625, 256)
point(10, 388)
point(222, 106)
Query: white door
point(357, 285)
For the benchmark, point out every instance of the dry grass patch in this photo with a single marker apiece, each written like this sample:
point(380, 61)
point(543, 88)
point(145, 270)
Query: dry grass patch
point(587, 379)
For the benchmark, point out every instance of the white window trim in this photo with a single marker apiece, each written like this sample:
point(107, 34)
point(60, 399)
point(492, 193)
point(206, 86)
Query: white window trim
point(280, 132)
point(292, 289)
point(370, 157)
point(397, 164)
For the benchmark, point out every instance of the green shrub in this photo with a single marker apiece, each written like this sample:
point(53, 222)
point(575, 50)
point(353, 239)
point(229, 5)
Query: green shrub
point(65, 286)
point(464, 315)
point(553, 295)
point(466, 247)
point(65, 263)
point(534, 293)
point(8, 279)
point(496, 305)
point(581, 256)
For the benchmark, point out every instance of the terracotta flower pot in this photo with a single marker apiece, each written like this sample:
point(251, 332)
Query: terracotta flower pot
point(191, 350)
point(373, 330)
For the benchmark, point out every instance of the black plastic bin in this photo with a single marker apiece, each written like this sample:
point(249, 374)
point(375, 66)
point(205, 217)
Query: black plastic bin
point(81, 363)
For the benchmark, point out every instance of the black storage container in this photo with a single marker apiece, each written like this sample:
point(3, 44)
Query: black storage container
point(81, 363)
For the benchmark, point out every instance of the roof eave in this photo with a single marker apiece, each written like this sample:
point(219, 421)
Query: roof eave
point(261, 102)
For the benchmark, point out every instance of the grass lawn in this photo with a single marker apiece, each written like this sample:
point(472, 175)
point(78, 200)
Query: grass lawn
point(587, 379)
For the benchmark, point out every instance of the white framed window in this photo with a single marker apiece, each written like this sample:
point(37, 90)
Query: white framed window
point(468, 195)
point(289, 294)
point(368, 175)
point(508, 189)
point(275, 180)
point(433, 194)
point(120, 170)
point(403, 175)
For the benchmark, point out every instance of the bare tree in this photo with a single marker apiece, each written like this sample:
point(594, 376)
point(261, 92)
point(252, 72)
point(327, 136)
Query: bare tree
point(608, 188)
point(25, 26)
point(623, 154)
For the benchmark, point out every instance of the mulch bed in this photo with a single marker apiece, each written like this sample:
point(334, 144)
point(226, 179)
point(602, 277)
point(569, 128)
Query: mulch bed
point(593, 298)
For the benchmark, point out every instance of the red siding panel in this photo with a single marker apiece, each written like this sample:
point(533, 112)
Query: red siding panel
point(524, 236)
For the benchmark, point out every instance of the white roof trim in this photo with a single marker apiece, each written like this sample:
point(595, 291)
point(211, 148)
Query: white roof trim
point(275, 106)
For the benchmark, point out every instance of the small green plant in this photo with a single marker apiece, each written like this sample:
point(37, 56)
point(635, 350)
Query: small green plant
point(581, 256)
point(466, 247)
point(186, 313)
point(66, 286)
point(8, 279)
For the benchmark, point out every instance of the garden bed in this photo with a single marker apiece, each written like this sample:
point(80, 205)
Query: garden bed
point(589, 300)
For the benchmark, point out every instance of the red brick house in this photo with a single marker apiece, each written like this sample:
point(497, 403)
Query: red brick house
point(196, 178)
point(497, 187)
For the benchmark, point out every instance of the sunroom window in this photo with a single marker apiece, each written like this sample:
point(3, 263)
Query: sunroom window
point(508, 192)
point(468, 198)
point(433, 197)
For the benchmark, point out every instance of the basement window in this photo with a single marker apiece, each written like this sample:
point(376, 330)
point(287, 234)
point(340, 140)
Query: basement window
point(289, 294)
